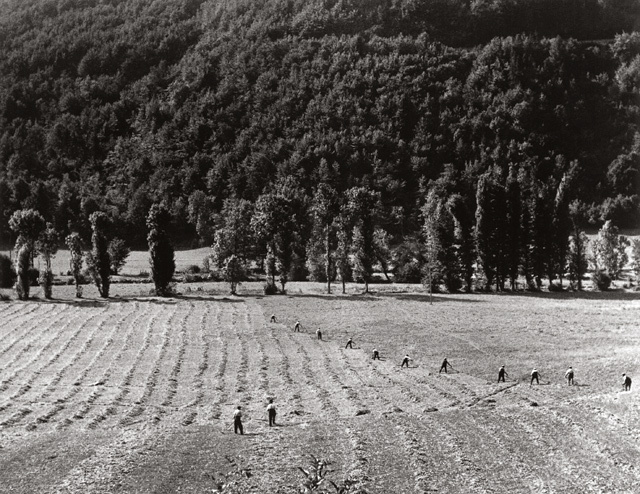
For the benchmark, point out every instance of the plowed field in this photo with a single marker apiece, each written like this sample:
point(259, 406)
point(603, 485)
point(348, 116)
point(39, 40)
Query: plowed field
point(137, 394)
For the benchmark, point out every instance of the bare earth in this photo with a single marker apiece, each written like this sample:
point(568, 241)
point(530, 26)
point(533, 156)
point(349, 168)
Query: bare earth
point(136, 394)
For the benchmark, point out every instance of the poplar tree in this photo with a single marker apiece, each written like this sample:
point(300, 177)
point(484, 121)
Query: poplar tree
point(161, 253)
point(28, 225)
point(74, 244)
point(324, 210)
point(489, 232)
point(362, 203)
point(98, 260)
point(513, 233)
point(47, 246)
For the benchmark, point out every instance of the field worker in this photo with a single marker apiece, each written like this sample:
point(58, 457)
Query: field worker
point(273, 318)
point(569, 376)
point(271, 411)
point(237, 421)
point(534, 375)
point(444, 366)
point(376, 354)
point(297, 326)
point(501, 373)
point(349, 344)
point(319, 333)
point(626, 382)
point(405, 361)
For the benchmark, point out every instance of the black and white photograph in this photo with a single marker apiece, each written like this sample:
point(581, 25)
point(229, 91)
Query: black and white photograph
point(319, 246)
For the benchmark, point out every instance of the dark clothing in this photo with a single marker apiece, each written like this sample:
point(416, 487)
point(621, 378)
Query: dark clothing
point(535, 376)
point(405, 361)
point(273, 318)
point(319, 333)
point(570, 378)
point(297, 327)
point(272, 416)
point(444, 366)
point(627, 383)
point(376, 355)
point(349, 344)
point(501, 374)
point(237, 425)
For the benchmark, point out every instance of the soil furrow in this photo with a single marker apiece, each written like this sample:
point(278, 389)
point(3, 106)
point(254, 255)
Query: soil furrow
point(201, 363)
point(51, 377)
point(127, 378)
point(151, 382)
point(81, 408)
point(94, 358)
point(33, 333)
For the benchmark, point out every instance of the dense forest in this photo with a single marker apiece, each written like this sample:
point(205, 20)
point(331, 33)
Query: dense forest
point(116, 105)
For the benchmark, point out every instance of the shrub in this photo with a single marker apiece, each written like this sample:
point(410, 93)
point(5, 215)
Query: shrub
point(24, 265)
point(555, 287)
point(193, 278)
point(46, 282)
point(270, 288)
point(601, 280)
point(410, 272)
point(8, 275)
point(118, 252)
point(206, 264)
point(193, 269)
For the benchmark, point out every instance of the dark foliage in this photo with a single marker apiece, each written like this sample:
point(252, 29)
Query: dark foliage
point(161, 253)
point(7, 273)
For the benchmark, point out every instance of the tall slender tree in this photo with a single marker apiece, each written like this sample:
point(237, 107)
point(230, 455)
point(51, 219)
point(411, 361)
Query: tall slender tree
point(324, 210)
point(161, 253)
point(28, 225)
point(98, 259)
point(362, 203)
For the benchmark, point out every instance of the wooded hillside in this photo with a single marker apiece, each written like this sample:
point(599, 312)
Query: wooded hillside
point(115, 105)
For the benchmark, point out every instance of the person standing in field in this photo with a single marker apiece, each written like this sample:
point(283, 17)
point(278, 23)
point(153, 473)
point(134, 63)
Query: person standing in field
point(502, 373)
point(376, 354)
point(444, 366)
point(237, 421)
point(297, 327)
point(273, 318)
point(626, 382)
point(535, 375)
point(271, 411)
point(405, 361)
point(319, 333)
point(349, 344)
point(569, 376)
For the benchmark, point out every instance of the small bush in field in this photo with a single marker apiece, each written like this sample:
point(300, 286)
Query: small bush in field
point(601, 280)
point(316, 480)
point(193, 269)
point(554, 287)
point(270, 289)
point(118, 252)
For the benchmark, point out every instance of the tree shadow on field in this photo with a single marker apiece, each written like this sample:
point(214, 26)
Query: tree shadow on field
point(419, 297)
point(77, 302)
point(373, 296)
point(568, 295)
point(175, 299)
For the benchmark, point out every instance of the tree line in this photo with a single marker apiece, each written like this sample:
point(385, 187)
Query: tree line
point(509, 232)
